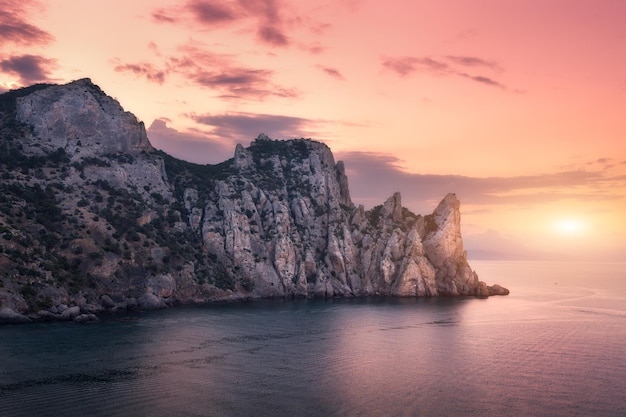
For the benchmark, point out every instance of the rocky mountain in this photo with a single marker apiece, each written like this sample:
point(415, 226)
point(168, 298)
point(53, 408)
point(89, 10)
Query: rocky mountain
point(92, 218)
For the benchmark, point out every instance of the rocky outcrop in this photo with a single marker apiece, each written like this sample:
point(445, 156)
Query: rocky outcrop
point(497, 290)
point(79, 117)
point(8, 316)
point(444, 246)
point(94, 219)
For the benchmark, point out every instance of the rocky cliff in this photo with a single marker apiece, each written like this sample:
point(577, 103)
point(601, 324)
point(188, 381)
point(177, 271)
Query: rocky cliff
point(92, 218)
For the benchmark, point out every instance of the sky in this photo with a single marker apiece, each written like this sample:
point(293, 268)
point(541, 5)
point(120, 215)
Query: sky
point(515, 106)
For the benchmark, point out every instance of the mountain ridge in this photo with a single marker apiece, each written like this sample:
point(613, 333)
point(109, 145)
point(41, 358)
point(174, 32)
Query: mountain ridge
point(94, 219)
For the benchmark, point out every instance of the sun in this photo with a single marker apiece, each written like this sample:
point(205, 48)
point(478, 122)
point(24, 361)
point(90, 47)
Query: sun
point(570, 227)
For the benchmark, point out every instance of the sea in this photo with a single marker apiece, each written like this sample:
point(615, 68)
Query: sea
point(556, 346)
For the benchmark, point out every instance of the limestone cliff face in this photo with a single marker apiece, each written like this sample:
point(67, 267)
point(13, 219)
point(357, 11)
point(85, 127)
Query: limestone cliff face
point(93, 217)
point(65, 116)
point(285, 221)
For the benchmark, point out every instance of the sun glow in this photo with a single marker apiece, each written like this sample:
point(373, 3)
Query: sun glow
point(570, 227)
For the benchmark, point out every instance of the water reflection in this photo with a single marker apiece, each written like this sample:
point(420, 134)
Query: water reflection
point(515, 355)
point(234, 359)
point(388, 365)
point(53, 366)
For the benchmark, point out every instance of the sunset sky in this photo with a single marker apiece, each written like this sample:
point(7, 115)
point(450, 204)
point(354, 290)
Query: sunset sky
point(519, 107)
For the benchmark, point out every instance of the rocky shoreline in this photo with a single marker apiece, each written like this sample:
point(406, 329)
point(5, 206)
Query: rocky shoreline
point(89, 313)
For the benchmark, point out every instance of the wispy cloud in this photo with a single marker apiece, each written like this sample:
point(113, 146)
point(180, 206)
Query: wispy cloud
point(483, 80)
point(211, 12)
point(266, 16)
point(147, 70)
point(369, 173)
point(164, 16)
point(472, 61)
point(269, 16)
point(29, 69)
point(405, 66)
point(272, 23)
point(244, 127)
point(273, 35)
point(215, 141)
point(333, 72)
point(15, 26)
point(314, 48)
point(217, 72)
point(191, 146)
point(17, 31)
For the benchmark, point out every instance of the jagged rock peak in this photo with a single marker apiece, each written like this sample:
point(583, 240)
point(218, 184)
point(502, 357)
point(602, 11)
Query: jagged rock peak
point(80, 116)
point(444, 240)
point(449, 202)
point(392, 209)
point(342, 179)
point(243, 159)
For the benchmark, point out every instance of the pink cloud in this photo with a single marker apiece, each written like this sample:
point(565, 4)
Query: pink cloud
point(483, 80)
point(272, 21)
point(146, 70)
point(15, 27)
point(472, 61)
point(265, 15)
point(211, 13)
point(333, 72)
point(216, 72)
point(163, 16)
point(408, 65)
point(273, 35)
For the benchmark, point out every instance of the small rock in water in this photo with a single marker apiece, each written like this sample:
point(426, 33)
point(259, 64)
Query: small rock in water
point(497, 290)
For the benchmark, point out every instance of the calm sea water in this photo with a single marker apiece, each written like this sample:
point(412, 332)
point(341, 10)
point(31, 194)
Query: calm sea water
point(555, 347)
